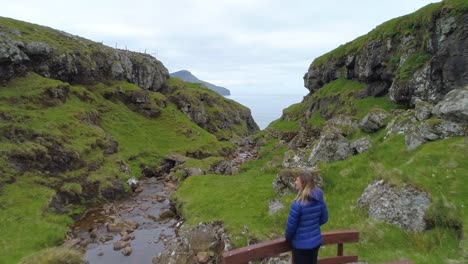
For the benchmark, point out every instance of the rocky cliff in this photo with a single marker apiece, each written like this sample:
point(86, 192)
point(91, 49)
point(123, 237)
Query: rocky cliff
point(386, 122)
point(413, 58)
point(55, 54)
point(78, 119)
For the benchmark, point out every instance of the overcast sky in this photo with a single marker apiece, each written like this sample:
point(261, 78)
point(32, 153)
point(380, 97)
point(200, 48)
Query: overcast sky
point(247, 46)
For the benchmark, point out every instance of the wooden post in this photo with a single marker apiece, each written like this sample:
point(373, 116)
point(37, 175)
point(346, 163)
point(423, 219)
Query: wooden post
point(340, 249)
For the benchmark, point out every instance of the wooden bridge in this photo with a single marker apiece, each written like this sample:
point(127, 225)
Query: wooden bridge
point(275, 247)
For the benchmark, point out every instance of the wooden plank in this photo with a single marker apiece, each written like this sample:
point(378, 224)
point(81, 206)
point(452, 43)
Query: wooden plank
point(344, 236)
point(338, 260)
point(275, 247)
point(257, 251)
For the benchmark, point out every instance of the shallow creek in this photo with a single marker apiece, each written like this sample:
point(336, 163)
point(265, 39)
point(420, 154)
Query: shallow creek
point(148, 208)
point(144, 207)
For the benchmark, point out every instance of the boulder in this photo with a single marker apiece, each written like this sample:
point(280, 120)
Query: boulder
point(193, 172)
point(226, 167)
point(165, 214)
point(38, 49)
point(293, 160)
point(118, 245)
point(402, 206)
point(274, 206)
point(454, 106)
point(344, 124)
point(361, 144)
point(423, 110)
point(127, 251)
point(284, 181)
point(432, 129)
point(332, 146)
point(205, 242)
point(373, 121)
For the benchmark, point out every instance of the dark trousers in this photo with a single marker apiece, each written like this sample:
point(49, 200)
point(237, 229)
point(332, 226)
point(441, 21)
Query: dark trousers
point(305, 256)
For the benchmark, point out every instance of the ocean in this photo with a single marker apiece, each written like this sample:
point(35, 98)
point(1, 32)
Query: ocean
point(267, 108)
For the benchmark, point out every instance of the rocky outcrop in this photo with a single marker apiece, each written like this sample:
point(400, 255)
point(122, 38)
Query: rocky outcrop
point(373, 121)
point(417, 131)
point(454, 106)
point(284, 181)
point(87, 62)
point(421, 66)
point(222, 117)
point(331, 146)
point(404, 207)
point(204, 243)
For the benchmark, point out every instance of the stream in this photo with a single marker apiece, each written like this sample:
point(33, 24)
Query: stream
point(148, 209)
point(134, 230)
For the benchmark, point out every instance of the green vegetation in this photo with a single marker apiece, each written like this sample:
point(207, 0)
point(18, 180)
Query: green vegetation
point(26, 225)
point(216, 109)
point(244, 205)
point(60, 41)
point(430, 168)
point(335, 98)
point(416, 24)
point(53, 144)
point(414, 62)
point(57, 255)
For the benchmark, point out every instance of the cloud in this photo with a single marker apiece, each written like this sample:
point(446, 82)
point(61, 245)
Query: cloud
point(244, 45)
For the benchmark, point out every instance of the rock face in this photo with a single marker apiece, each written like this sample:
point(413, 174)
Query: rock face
point(87, 62)
point(393, 65)
point(204, 243)
point(418, 132)
point(404, 207)
point(224, 118)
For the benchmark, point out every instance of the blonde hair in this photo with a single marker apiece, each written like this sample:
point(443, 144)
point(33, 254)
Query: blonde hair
point(307, 184)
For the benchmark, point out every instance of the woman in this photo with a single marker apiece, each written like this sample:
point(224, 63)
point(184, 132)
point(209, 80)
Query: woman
point(308, 212)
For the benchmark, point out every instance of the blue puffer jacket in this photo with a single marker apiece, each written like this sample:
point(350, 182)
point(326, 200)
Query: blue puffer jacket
point(304, 221)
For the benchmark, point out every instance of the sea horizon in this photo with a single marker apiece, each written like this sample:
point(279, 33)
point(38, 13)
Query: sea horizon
point(266, 108)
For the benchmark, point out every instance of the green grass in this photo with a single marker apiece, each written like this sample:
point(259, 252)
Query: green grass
point(337, 98)
point(342, 87)
point(344, 182)
point(217, 108)
point(79, 126)
point(26, 225)
point(36, 33)
point(244, 205)
point(397, 27)
point(56, 255)
point(414, 62)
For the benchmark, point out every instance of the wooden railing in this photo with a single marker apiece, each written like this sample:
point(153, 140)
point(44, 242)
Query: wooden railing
point(275, 247)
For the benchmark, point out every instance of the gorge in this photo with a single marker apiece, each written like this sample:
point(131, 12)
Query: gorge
point(385, 121)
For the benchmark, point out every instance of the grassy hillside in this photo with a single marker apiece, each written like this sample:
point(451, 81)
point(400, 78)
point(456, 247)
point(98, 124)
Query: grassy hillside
point(415, 24)
point(437, 167)
point(58, 137)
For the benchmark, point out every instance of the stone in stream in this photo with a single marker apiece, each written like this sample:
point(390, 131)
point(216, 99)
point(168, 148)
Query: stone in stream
point(166, 214)
point(127, 251)
point(125, 225)
point(121, 244)
point(106, 238)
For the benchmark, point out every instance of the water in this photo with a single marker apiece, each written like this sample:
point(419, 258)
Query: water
point(141, 208)
point(267, 108)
